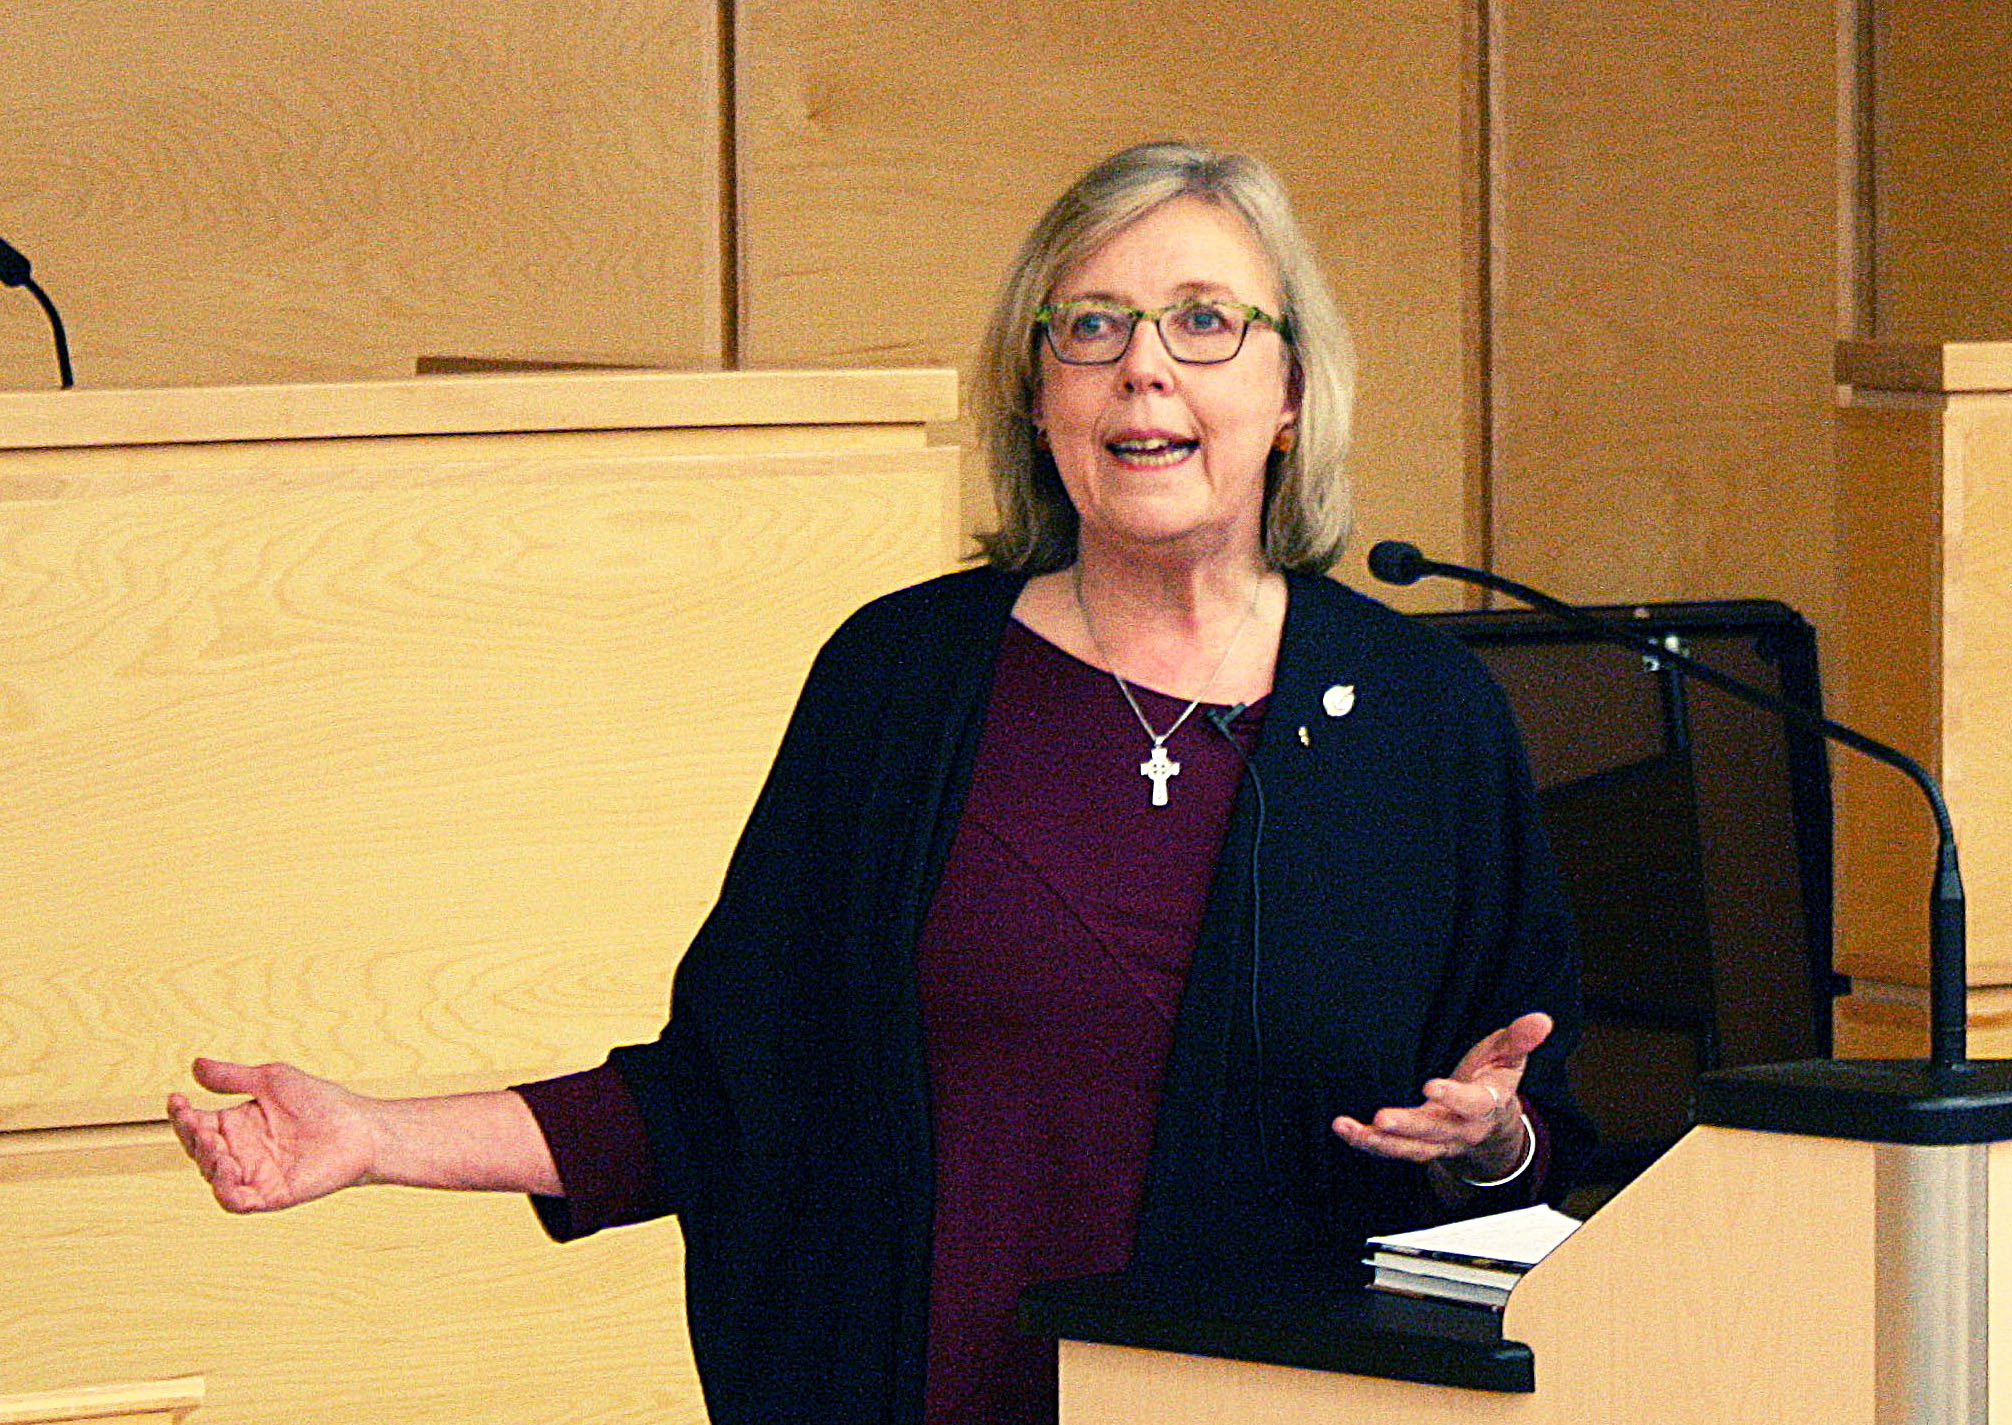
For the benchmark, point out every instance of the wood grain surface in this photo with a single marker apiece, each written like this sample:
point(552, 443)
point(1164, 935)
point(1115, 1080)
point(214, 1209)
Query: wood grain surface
point(160, 1402)
point(1998, 1316)
point(268, 191)
point(414, 757)
point(384, 1304)
point(1665, 300)
point(408, 767)
point(1938, 367)
point(1883, 673)
point(1925, 551)
point(1732, 1283)
point(1944, 108)
point(1977, 688)
point(1882, 1020)
point(1120, 1385)
point(657, 401)
point(890, 164)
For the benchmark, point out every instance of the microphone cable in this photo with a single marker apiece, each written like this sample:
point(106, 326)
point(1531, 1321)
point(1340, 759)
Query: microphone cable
point(17, 271)
point(1220, 719)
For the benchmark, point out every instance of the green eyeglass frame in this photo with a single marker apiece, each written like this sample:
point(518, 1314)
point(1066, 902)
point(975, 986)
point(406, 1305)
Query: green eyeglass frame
point(1045, 317)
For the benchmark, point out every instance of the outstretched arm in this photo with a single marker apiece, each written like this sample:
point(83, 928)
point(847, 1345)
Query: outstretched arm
point(297, 1138)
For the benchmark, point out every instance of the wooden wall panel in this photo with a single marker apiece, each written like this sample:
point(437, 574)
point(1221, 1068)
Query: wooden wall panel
point(892, 158)
point(1665, 299)
point(1886, 676)
point(383, 1305)
point(1942, 130)
point(1926, 517)
point(412, 759)
point(166, 1402)
point(274, 191)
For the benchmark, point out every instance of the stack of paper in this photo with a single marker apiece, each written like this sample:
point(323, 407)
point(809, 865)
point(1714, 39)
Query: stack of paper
point(1477, 1260)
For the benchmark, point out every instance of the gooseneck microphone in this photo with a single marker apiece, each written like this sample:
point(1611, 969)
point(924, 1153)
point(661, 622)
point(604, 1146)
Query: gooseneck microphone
point(1396, 562)
point(17, 271)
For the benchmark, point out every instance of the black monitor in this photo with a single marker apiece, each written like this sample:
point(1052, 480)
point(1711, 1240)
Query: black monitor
point(1693, 835)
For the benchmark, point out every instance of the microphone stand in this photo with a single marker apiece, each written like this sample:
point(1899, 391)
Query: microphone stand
point(1932, 1289)
point(1947, 1099)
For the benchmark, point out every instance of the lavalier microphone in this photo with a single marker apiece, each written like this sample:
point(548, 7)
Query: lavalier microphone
point(1223, 717)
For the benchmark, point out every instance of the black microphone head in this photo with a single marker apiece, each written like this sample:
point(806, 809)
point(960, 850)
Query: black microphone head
point(1221, 718)
point(1397, 561)
point(14, 268)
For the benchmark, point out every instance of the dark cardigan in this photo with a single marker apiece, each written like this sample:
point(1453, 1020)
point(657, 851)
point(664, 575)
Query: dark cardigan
point(1405, 907)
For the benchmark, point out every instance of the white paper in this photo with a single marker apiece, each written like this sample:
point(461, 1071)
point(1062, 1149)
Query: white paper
point(1523, 1237)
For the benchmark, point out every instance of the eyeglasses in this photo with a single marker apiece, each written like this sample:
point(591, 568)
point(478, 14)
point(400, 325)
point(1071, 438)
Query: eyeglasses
point(1094, 332)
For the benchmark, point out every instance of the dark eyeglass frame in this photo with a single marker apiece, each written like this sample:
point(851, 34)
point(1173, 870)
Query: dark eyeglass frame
point(1044, 321)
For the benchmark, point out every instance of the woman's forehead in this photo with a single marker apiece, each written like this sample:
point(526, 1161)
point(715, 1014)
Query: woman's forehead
point(1187, 245)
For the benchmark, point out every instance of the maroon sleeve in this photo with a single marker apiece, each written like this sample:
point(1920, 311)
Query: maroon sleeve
point(591, 1124)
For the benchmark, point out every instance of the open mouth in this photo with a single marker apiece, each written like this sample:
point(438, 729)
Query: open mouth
point(1152, 451)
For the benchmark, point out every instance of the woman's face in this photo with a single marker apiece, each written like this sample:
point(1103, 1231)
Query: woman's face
point(1162, 457)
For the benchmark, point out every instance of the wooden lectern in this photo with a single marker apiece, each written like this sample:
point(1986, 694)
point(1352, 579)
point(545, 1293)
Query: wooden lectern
point(1747, 1278)
point(401, 729)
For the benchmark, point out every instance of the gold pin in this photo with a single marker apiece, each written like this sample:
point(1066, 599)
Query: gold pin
point(1305, 740)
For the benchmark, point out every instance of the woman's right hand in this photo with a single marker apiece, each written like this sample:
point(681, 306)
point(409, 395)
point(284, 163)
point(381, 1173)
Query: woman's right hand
point(296, 1139)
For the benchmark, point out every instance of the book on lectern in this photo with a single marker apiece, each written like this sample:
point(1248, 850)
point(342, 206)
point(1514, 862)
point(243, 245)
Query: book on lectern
point(1478, 1260)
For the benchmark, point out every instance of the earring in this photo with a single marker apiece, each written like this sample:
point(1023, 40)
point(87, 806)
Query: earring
point(1284, 441)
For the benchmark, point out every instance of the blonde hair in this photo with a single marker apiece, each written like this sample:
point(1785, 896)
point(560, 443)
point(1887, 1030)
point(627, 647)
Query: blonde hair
point(1307, 507)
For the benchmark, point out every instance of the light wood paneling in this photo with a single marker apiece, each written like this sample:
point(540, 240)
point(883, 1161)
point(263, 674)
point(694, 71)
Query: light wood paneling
point(1709, 1291)
point(1936, 367)
point(383, 1305)
point(1977, 688)
point(273, 191)
point(414, 756)
point(99, 1149)
point(1943, 128)
point(475, 405)
point(416, 760)
point(1118, 1385)
point(1665, 299)
point(1884, 676)
point(1878, 1020)
point(164, 1402)
point(890, 162)
point(1925, 503)
point(397, 775)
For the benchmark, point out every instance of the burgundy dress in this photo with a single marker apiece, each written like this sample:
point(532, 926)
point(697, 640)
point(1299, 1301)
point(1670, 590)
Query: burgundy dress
point(1051, 968)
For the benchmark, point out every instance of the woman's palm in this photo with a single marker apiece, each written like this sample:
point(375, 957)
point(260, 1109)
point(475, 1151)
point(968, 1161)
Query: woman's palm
point(297, 1138)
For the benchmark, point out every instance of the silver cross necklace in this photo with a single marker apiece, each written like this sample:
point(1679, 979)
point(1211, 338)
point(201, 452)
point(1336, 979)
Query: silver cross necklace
point(1159, 768)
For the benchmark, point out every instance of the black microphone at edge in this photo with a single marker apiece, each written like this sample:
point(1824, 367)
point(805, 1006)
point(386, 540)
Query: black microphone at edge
point(17, 271)
point(1395, 561)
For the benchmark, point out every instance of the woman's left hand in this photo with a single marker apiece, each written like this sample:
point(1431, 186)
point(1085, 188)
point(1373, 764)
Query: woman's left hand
point(1470, 1121)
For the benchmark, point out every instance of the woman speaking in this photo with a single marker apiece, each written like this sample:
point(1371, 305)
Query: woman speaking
point(1141, 898)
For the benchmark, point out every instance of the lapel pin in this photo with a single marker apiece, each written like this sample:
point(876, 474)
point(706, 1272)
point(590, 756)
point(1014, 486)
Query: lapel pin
point(1337, 700)
point(1305, 739)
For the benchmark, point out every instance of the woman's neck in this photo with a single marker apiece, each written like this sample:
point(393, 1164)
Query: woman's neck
point(1208, 630)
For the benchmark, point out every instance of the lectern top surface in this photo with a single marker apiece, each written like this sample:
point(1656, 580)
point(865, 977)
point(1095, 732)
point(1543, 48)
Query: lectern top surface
point(1331, 1326)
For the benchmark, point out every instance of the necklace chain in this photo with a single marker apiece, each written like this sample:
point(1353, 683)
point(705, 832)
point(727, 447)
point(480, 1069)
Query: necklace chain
point(1159, 739)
